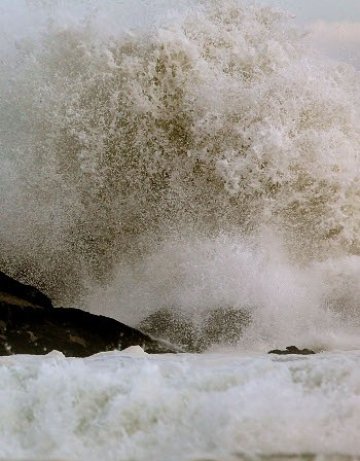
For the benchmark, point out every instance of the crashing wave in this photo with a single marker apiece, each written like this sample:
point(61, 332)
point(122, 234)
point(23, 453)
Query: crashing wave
point(212, 126)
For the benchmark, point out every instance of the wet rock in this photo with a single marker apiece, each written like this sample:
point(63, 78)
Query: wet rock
point(29, 324)
point(292, 350)
point(18, 294)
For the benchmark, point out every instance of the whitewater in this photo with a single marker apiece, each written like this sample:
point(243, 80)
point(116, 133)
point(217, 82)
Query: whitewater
point(192, 170)
point(215, 407)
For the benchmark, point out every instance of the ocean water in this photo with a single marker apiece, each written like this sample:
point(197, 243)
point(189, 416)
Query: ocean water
point(197, 164)
point(210, 407)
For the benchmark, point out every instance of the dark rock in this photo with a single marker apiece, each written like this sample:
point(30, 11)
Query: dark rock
point(292, 350)
point(30, 325)
point(18, 294)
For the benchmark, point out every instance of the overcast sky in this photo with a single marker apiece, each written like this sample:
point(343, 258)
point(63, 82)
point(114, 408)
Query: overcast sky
point(335, 25)
point(328, 10)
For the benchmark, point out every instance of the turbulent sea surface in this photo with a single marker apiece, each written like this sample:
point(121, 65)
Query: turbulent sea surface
point(211, 407)
point(199, 165)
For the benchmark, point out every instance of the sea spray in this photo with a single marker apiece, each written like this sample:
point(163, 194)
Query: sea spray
point(207, 160)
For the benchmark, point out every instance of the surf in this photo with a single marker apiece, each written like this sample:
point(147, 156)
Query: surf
point(204, 159)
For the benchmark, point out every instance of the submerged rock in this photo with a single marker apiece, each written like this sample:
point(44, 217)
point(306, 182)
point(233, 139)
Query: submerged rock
point(29, 324)
point(292, 350)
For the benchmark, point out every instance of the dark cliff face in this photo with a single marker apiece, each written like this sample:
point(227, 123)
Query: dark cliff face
point(29, 324)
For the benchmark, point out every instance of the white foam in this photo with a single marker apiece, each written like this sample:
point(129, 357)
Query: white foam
point(179, 407)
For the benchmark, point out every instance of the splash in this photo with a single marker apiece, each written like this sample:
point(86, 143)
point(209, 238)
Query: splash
point(209, 160)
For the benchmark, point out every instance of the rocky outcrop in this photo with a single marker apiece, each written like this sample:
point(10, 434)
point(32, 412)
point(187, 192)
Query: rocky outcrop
point(15, 293)
point(29, 324)
point(292, 350)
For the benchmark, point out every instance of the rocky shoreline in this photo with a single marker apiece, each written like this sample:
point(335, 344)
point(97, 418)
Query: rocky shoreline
point(30, 324)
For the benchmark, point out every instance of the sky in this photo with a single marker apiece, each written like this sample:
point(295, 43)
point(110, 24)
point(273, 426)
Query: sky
point(334, 25)
point(327, 10)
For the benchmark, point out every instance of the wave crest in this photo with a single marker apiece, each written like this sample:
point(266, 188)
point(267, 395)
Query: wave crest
point(218, 122)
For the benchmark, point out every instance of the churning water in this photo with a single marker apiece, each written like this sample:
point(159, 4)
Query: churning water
point(208, 407)
point(183, 163)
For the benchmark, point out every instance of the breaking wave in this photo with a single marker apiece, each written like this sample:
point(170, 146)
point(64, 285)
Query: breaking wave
point(204, 159)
